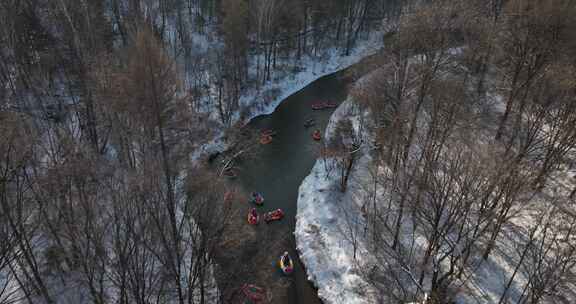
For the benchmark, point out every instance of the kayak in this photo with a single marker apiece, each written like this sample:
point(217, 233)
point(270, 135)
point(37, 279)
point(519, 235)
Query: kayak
point(265, 139)
point(253, 217)
point(275, 215)
point(257, 198)
point(287, 267)
point(316, 135)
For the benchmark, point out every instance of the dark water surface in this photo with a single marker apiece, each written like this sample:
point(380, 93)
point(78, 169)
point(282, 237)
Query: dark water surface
point(279, 169)
point(250, 254)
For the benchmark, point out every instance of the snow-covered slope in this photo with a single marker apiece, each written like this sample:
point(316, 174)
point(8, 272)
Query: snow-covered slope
point(329, 227)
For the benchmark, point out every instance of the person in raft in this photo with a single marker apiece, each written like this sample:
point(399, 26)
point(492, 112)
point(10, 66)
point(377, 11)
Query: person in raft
point(316, 135)
point(286, 258)
point(253, 217)
point(257, 197)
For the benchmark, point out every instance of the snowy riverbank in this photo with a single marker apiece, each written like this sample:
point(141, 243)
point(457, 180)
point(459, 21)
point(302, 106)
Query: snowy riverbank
point(270, 96)
point(331, 235)
point(328, 227)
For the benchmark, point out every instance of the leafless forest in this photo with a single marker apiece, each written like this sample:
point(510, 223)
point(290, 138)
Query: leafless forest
point(102, 103)
point(473, 124)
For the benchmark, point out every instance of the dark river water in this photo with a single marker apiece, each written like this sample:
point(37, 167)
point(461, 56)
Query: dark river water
point(280, 167)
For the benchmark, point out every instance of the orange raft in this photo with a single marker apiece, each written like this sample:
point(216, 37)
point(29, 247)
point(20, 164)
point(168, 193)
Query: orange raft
point(265, 139)
point(316, 135)
point(320, 105)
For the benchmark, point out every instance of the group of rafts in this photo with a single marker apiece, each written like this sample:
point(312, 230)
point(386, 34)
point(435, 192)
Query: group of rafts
point(321, 105)
point(253, 217)
point(285, 263)
point(258, 294)
point(266, 136)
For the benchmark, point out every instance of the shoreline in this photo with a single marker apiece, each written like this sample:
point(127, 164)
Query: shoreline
point(243, 242)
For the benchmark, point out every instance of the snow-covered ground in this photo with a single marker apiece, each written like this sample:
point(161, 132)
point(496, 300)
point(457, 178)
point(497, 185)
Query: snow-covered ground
point(329, 227)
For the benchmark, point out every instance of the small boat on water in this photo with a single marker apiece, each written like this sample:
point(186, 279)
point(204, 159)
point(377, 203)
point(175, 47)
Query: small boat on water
point(267, 132)
point(254, 293)
point(323, 105)
point(257, 198)
point(316, 135)
point(275, 215)
point(230, 173)
point(253, 217)
point(329, 105)
point(286, 264)
point(309, 123)
point(318, 106)
point(265, 139)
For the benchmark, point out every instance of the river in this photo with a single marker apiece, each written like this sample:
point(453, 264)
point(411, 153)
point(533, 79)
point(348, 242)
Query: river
point(251, 253)
point(280, 167)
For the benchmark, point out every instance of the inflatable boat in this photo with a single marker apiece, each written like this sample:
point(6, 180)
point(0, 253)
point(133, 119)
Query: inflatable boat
point(253, 217)
point(265, 139)
point(316, 135)
point(328, 105)
point(275, 215)
point(317, 106)
point(257, 198)
point(286, 264)
point(253, 293)
point(267, 132)
point(323, 105)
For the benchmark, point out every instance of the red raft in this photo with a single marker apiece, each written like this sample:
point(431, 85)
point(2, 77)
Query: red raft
point(254, 293)
point(253, 217)
point(265, 139)
point(318, 106)
point(316, 135)
point(286, 264)
point(257, 198)
point(323, 105)
point(275, 215)
point(267, 132)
